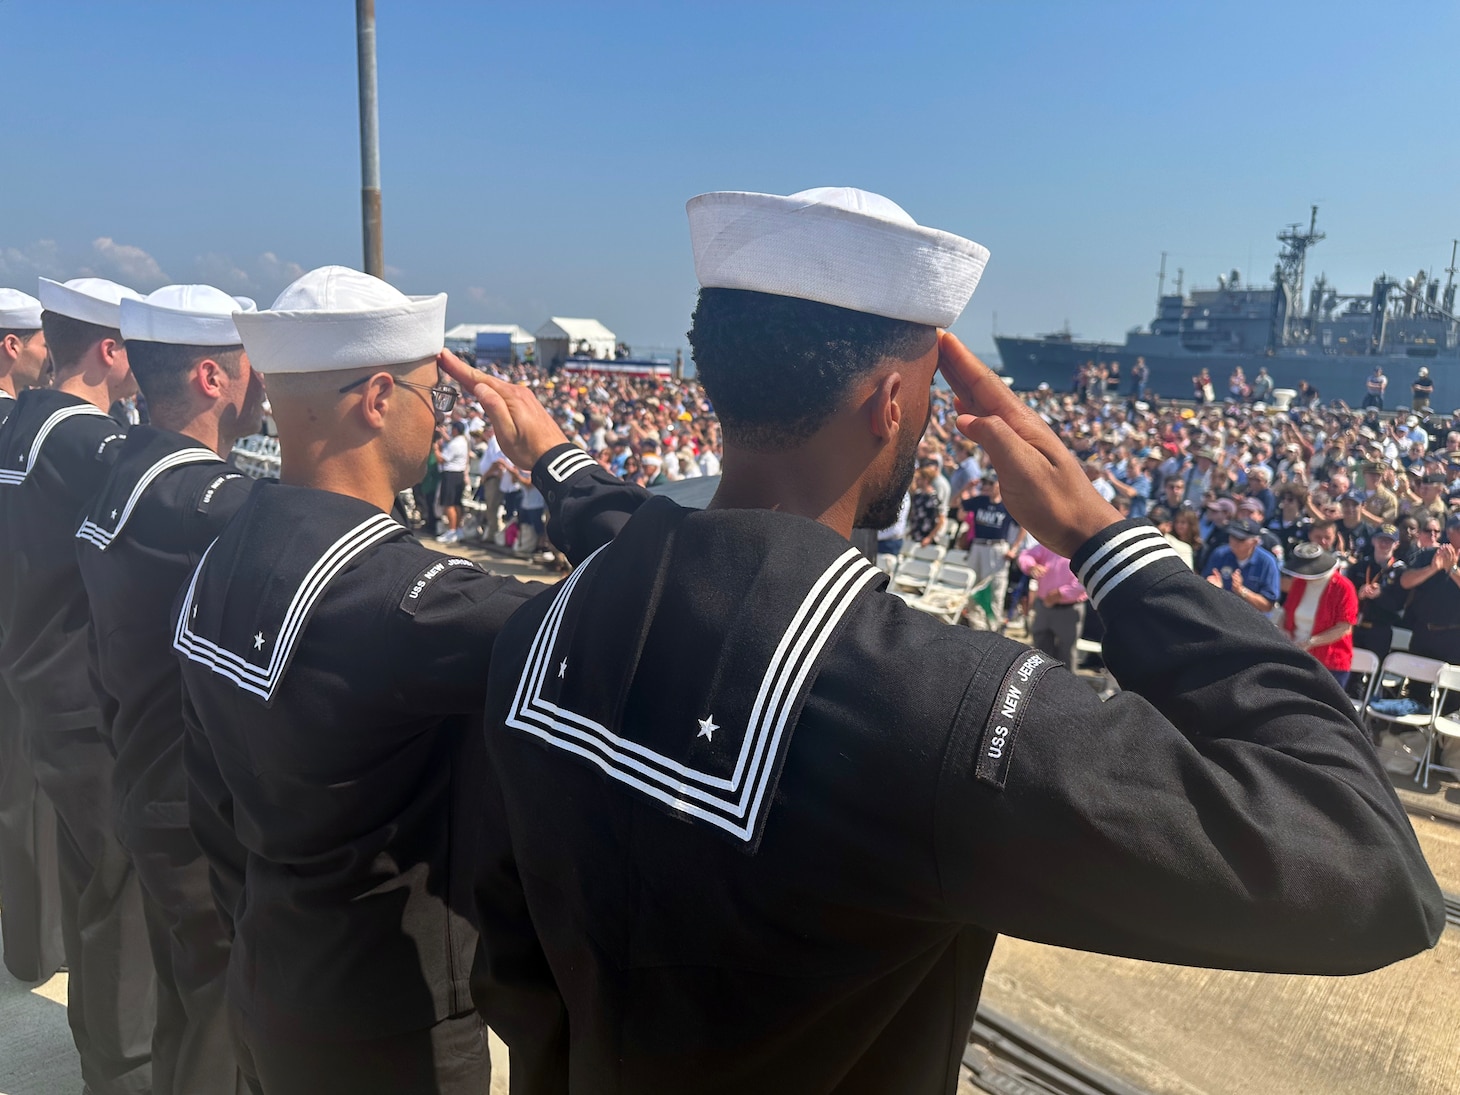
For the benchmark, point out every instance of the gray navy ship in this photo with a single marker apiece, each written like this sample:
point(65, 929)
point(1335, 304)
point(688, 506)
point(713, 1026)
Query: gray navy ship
point(1331, 340)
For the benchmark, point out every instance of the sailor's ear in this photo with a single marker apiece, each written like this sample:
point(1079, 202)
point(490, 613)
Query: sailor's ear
point(884, 407)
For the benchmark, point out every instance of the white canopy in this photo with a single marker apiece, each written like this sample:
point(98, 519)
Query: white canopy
point(467, 333)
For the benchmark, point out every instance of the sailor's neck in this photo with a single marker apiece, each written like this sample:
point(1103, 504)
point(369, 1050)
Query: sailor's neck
point(98, 395)
point(330, 476)
point(796, 483)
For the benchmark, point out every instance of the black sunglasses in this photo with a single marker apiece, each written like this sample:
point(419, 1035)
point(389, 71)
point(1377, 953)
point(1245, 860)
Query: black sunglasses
point(443, 398)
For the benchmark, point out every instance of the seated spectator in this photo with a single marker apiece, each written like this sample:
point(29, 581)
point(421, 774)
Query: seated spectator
point(1321, 609)
point(1242, 566)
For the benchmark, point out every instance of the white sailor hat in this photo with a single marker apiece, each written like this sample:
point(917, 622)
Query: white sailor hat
point(19, 311)
point(337, 318)
point(836, 245)
point(91, 300)
point(184, 315)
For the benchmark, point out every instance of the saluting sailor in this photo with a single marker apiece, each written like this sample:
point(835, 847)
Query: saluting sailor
point(168, 496)
point(755, 824)
point(334, 672)
point(54, 453)
point(29, 884)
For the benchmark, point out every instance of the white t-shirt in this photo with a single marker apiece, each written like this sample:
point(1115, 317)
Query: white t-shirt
point(1306, 610)
point(456, 453)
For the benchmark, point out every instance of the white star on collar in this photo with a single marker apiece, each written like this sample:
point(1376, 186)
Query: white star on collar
point(114, 515)
point(563, 669)
point(707, 729)
point(258, 641)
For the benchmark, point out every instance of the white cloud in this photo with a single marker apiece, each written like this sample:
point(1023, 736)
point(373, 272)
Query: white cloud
point(20, 266)
point(127, 264)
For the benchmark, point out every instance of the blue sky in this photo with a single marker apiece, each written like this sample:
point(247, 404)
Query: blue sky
point(537, 157)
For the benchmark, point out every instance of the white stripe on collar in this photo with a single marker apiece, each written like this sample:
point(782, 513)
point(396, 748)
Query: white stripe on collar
point(11, 477)
point(99, 537)
point(734, 804)
point(263, 680)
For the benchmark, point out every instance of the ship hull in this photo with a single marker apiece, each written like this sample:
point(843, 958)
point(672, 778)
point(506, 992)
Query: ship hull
point(1029, 362)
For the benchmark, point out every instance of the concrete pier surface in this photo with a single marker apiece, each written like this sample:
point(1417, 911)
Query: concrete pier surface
point(1177, 1031)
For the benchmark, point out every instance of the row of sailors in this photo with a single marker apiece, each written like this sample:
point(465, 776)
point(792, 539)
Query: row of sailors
point(326, 800)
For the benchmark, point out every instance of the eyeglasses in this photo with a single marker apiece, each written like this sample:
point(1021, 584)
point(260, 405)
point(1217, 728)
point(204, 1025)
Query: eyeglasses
point(443, 397)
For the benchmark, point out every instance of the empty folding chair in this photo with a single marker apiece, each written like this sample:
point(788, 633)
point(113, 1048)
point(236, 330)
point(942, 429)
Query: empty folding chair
point(1402, 714)
point(914, 574)
point(1447, 688)
point(947, 593)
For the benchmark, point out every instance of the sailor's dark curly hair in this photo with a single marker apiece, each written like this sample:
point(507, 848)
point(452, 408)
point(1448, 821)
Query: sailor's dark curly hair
point(777, 368)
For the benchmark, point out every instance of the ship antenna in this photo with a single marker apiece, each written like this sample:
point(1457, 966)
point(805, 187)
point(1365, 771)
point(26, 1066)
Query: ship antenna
point(1161, 281)
point(1451, 269)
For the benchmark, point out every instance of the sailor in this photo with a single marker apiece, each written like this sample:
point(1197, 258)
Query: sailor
point(167, 497)
point(789, 814)
point(29, 884)
point(334, 671)
point(54, 453)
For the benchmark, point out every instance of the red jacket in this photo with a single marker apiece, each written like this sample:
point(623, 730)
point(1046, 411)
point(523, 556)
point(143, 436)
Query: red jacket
point(1338, 604)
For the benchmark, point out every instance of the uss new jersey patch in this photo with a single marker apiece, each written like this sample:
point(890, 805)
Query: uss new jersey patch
point(1011, 703)
point(683, 692)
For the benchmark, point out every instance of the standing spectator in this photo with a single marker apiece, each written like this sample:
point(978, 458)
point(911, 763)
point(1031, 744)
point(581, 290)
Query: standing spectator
point(929, 511)
point(1381, 505)
point(1202, 388)
point(1381, 600)
point(1199, 477)
point(454, 454)
point(1354, 533)
point(1139, 374)
point(1375, 385)
point(1434, 607)
point(991, 545)
point(1219, 516)
point(1130, 481)
point(490, 467)
point(1059, 608)
point(1262, 386)
point(1164, 520)
point(1321, 609)
point(1259, 489)
point(1422, 390)
point(1290, 523)
point(1242, 566)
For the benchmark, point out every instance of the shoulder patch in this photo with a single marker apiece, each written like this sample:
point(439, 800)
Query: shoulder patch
point(996, 743)
point(205, 500)
point(412, 599)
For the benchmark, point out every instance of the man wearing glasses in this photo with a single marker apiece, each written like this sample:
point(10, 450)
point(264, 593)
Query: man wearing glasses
point(334, 671)
point(1434, 576)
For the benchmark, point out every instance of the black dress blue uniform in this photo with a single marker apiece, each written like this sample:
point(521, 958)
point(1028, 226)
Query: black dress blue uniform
point(29, 882)
point(334, 671)
point(755, 825)
point(165, 500)
point(54, 454)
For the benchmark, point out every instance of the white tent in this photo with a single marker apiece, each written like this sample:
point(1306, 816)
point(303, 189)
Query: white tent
point(561, 338)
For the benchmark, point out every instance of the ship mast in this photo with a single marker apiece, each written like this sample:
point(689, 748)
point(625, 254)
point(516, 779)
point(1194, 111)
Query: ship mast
point(1161, 282)
point(1287, 299)
point(1449, 298)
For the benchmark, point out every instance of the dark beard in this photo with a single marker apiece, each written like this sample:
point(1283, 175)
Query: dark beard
point(883, 509)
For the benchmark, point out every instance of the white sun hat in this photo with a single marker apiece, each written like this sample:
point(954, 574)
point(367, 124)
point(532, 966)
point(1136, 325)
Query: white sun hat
point(91, 300)
point(337, 318)
point(184, 315)
point(836, 245)
point(19, 311)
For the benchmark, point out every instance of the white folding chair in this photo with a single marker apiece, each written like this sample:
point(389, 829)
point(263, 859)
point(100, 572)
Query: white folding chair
point(947, 593)
point(1398, 670)
point(957, 557)
point(914, 574)
point(1365, 665)
point(930, 553)
point(1400, 639)
point(1447, 682)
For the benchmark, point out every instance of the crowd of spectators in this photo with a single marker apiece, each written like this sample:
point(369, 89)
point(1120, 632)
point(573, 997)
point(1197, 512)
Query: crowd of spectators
point(1239, 488)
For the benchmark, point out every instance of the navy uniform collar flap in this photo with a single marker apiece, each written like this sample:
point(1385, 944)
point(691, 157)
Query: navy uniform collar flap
point(254, 590)
point(146, 454)
point(677, 660)
point(38, 412)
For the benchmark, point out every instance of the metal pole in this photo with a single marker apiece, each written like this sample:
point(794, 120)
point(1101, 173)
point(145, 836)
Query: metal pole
point(369, 140)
